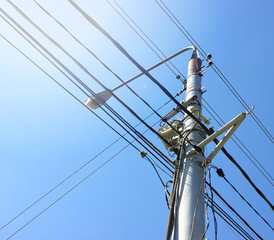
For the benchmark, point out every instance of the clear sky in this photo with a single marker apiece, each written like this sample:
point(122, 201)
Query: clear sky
point(46, 134)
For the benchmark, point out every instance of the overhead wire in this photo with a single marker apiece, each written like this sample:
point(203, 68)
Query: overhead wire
point(208, 105)
point(91, 92)
point(88, 73)
point(233, 210)
point(220, 173)
point(196, 207)
point(230, 221)
point(149, 39)
point(97, 58)
point(80, 168)
point(212, 206)
point(206, 212)
point(215, 68)
point(63, 195)
point(130, 143)
point(216, 141)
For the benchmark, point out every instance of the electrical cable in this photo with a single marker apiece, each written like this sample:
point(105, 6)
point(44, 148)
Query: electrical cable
point(80, 168)
point(71, 79)
point(230, 221)
point(220, 173)
point(196, 207)
point(233, 210)
point(212, 206)
point(96, 25)
point(54, 42)
point(174, 190)
point(167, 192)
point(206, 212)
point(229, 218)
point(149, 39)
point(78, 80)
point(86, 71)
point(121, 49)
point(130, 143)
point(150, 161)
point(216, 69)
point(240, 143)
point(67, 192)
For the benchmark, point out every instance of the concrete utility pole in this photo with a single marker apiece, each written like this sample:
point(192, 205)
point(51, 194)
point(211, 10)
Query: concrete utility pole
point(189, 217)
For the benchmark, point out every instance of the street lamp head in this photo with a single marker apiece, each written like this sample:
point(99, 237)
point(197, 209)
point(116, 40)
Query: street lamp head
point(94, 102)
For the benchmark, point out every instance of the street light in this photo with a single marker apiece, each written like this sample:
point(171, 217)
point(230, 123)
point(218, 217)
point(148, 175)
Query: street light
point(93, 102)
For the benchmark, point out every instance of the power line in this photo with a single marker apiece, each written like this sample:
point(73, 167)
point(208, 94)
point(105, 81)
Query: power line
point(80, 168)
point(67, 192)
point(216, 69)
point(229, 220)
point(88, 73)
point(43, 9)
point(216, 141)
point(220, 173)
point(130, 143)
point(240, 143)
point(233, 210)
point(91, 92)
point(212, 206)
point(76, 185)
point(149, 39)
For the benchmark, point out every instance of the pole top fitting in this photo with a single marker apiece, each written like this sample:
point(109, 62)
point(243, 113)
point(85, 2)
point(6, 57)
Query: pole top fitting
point(195, 53)
point(248, 112)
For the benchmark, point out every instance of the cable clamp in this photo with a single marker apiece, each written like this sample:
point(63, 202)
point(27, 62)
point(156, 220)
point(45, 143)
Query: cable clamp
point(220, 172)
point(143, 154)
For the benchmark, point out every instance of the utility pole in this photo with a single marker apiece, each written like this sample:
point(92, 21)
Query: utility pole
point(189, 222)
point(187, 139)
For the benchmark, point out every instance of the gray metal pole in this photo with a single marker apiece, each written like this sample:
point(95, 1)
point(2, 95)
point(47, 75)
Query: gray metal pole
point(189, 222)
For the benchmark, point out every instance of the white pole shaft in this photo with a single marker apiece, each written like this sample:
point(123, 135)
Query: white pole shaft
point(189, 209)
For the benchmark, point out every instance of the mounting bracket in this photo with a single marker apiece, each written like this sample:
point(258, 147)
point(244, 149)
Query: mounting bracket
point(230, 126)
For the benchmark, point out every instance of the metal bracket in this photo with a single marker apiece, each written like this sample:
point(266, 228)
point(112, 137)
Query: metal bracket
point(177, 109)
point(230, 126)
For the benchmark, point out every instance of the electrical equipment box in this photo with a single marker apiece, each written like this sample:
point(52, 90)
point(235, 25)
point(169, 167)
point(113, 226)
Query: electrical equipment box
point(171, 135)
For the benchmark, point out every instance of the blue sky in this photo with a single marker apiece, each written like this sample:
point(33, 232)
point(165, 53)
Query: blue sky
point(46, 135)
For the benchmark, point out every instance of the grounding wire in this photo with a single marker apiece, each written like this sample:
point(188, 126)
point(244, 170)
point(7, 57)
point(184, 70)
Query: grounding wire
point(134, 130)
point(239, 142)
point(218, 72)
point(233, 210)
point(85, 70)
point(216, 141)
point(119, 6)
point(54, 42)
point(212, 206)
point(86, 162)
point(206, 212)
